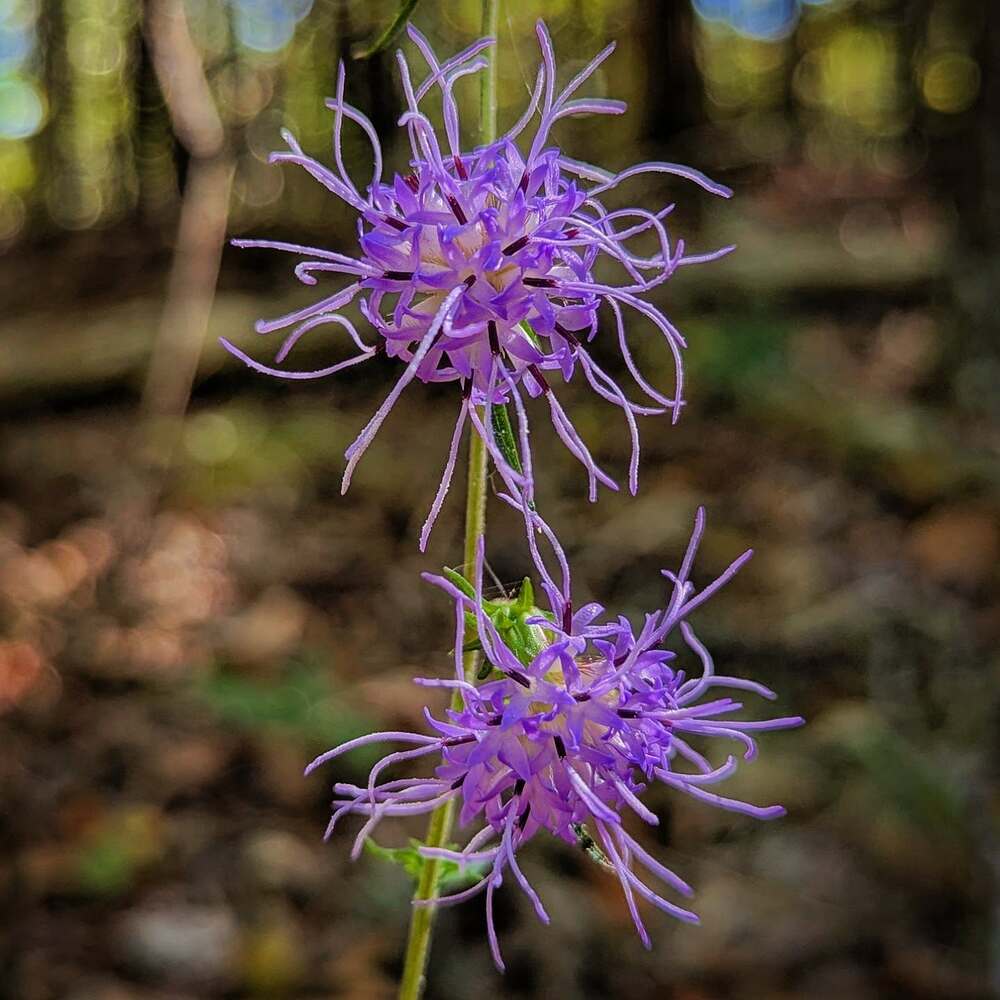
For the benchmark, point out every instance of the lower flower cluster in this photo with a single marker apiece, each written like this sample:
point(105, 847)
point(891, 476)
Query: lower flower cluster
point(566, 739)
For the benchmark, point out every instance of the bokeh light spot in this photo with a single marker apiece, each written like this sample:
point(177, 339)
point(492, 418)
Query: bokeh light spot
point(95, 48)
point(268, 25)
point(15, 47)
point(767, 20)
point(211, 438)
point(17, 169)
point(950, 82)
point(22, 111)
point(867, 230)
point(12, 217)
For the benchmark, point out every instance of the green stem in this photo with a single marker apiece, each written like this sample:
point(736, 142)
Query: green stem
point(418, 944)
point(488, 81)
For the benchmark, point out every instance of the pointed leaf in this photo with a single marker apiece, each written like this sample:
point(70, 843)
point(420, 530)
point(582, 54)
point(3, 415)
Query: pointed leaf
point(387, 37)
point(456, 578)
point(504, 434)
point(526, 596)
point(451, 874)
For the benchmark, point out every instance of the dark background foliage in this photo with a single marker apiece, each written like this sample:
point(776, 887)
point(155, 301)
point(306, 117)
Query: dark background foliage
point(189, 610)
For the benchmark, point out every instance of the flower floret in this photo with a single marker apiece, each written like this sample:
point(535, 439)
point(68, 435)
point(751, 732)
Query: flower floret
point(478, 266)
point(569, 741)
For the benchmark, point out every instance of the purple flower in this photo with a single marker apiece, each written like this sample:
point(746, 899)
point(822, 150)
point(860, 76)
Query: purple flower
point(567, 738)
point(478, 267)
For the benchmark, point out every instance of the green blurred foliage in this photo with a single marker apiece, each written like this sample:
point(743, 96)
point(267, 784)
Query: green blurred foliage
point(300, 702)
point(85, 137)
point(116, 850)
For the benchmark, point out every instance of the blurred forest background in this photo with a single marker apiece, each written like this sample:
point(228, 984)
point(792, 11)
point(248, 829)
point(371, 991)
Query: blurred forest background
point(189, 611)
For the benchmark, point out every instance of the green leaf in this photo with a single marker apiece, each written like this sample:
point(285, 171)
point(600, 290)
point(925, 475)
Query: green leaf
point(406, 857)
point(530, 332)
point(503, 432)
point(388, 36)
point(451, 875)
point(509, 617)
point(525, 601)
point(456, 578)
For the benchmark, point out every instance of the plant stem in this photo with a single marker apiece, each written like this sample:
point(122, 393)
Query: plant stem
point(488, 81)
point(418, 944)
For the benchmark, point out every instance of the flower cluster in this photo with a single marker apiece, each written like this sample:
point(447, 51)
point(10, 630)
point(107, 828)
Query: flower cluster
point(490, 268)
point(563, 739)
point(479, 267)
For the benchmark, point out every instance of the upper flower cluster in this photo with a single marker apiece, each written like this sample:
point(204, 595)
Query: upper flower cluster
point(565, 738)
point(479, 267)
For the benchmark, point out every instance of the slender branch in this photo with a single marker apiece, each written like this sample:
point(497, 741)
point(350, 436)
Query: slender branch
point(418, 945)
point(204, 208)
